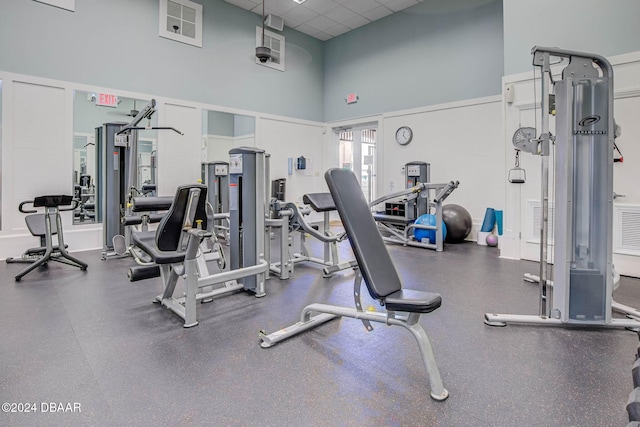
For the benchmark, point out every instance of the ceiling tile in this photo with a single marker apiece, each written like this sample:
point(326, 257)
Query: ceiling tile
point(377, 13)
point(323, 36)
point(398, 5)
point(356, 22)
point(331, 17)
point(280, 7)
point(337, 30)
point(340, 14)
point(304, 28)
point(321, 23)
point(320, 6)
point(361, 6)
point(300, 14)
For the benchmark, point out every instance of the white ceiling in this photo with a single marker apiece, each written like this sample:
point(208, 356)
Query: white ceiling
point(325, 19)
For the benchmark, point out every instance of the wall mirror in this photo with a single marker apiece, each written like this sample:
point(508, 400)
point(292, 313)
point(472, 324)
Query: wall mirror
point(88, 119)
point(223, 131)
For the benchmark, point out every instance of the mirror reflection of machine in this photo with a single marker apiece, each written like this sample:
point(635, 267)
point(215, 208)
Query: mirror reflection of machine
point(215, 175)
point(84, 173)
point(118, 169)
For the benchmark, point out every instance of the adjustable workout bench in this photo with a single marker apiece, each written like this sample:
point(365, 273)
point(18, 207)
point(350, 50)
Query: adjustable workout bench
point(403, 306)
point(40, 225)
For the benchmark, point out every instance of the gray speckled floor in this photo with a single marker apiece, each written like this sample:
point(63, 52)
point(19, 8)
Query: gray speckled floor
point(96, 339)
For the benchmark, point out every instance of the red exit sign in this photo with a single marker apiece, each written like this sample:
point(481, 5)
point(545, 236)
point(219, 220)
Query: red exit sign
point(106, 100)
point(352, 98)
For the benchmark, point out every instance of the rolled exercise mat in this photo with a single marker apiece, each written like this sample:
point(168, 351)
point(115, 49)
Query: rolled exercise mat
point(489, 220)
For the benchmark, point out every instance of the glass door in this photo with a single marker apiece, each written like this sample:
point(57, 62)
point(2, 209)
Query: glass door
point(358, 153)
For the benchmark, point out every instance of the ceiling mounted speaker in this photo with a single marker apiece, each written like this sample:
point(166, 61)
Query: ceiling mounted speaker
point(275, 22)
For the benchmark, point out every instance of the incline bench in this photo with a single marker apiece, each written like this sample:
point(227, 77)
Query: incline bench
point(403, 306)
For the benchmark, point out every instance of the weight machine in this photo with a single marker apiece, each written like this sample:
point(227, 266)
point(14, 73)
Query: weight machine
point(402, 208)
point(290, 219)
point(117, 167)
point(580, 292)
point(177, 246)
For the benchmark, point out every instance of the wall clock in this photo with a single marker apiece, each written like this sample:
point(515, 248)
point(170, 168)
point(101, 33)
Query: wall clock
point(404, 135)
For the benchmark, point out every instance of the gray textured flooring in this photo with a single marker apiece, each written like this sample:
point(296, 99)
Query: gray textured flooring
point(96, 339)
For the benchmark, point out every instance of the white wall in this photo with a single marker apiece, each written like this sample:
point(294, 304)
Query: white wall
point(461, 140)
point(284, 139)
point(517, 242)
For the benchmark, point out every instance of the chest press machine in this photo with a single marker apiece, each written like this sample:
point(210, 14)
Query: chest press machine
point(580, 293)
point(374, 265)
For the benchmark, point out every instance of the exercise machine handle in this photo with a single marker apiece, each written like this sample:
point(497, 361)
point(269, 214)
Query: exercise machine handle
point(74, 204)
point(23, 210)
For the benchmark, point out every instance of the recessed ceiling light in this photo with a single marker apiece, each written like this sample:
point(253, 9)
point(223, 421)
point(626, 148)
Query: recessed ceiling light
point(299, 1)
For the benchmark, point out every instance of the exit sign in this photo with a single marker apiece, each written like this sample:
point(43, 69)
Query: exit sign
point(352, 98)
point(106, 100)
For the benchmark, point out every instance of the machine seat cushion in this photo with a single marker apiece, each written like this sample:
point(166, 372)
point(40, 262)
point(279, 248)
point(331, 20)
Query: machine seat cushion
point(412, 301)
point(320, 202)
point(145, 240)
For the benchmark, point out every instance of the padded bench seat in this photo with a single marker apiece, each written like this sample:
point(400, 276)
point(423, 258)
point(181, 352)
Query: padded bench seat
point(412, 301)
point(145, 240)
point(320, 202)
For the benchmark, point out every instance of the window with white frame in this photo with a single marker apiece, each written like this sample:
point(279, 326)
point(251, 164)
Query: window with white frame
point(276, 43)
point(181, 20)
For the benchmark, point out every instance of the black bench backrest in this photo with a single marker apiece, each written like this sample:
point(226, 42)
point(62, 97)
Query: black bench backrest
point(373, 258)
point(169, 232)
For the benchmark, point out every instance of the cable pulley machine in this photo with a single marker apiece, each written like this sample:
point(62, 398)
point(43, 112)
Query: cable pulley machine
point(580, 293)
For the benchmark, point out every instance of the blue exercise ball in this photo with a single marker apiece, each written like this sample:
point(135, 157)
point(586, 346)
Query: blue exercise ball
point(428, 219)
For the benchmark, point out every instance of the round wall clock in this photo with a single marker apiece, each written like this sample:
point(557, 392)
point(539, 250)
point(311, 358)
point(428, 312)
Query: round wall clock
point(404, 135)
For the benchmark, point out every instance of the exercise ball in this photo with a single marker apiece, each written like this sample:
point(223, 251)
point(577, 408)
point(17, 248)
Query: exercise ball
point(458, 222)
point(492, 240)
point(428, 219)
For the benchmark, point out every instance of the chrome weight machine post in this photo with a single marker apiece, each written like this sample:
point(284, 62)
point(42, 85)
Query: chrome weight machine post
point(544, 150)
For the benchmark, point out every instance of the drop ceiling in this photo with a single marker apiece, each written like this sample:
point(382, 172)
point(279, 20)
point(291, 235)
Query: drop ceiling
point(325, 19)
